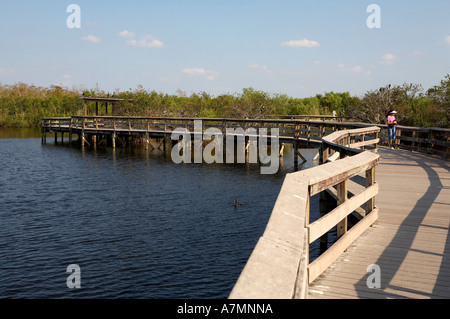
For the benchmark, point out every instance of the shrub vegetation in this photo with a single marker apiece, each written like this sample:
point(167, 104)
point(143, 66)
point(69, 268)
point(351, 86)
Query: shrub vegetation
point(23, 105)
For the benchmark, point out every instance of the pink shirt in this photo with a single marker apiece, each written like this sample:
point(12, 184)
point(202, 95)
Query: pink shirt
point(391, 119)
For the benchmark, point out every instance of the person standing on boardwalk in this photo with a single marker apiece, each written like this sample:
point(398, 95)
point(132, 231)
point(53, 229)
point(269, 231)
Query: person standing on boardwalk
point(391, 123)
point(342, 115)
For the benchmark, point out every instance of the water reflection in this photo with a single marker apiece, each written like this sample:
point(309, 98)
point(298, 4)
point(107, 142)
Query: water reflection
point(9, 133)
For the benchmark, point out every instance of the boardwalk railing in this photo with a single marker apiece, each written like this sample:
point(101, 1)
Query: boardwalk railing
point(428, 140)
point(309, 131)
point(312, 117)
point(55, 122)
point(279, 264)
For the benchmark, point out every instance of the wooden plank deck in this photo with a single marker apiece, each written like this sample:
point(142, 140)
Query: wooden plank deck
point(410, 242)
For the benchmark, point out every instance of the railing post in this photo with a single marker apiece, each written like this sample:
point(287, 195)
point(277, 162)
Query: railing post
point(370, 180)
point(324, 152)
point(341, 198)
point(303, 272)
point(398, 133)
point(376, 144)
point(430, 143)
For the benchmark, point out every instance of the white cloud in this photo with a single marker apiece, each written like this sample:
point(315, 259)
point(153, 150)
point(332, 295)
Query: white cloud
point(356, 69)
point(91, 38)
point(416, 54)
point(388, 59)
point(343, 68)
point(209, 75)
point(146, 42)
point(126, 34)
point(194, 71)
point(300, 44)
point(447, 40)
point(262, 68)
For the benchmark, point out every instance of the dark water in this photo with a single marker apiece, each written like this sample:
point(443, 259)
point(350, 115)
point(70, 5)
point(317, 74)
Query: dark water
point(138, 225)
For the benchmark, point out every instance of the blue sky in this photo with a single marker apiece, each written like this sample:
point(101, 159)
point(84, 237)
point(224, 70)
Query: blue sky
point(298, 48)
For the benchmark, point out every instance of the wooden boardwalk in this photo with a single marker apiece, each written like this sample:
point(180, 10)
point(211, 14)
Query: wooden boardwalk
point(410, 241)
point(409, 238)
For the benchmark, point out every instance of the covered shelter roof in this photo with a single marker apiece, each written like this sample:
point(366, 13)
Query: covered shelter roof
point(102, 99)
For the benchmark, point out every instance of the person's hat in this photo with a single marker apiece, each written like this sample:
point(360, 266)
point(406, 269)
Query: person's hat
point(393, 112)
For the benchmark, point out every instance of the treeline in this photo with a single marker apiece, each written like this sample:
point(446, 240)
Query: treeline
point(23, 105)
point(415, 106)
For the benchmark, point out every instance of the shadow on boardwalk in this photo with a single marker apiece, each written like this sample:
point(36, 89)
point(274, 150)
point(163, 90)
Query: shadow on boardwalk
point(408, 228)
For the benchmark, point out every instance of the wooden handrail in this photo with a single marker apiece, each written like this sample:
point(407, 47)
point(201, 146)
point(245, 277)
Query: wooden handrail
point(429, 140)
point(279, 264)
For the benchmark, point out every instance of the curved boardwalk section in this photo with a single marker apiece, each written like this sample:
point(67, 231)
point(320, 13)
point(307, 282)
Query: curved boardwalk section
point(410, 242)
point(279, 264)
point(400, 248)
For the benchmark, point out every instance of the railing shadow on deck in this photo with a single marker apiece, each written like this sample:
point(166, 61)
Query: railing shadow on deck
point(279, 264)
point(412, 222)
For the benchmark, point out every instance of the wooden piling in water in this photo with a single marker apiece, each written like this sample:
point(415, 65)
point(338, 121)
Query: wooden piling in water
point(146, 140)
point(281, 149)
point(43, 136)
point(295, 153)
